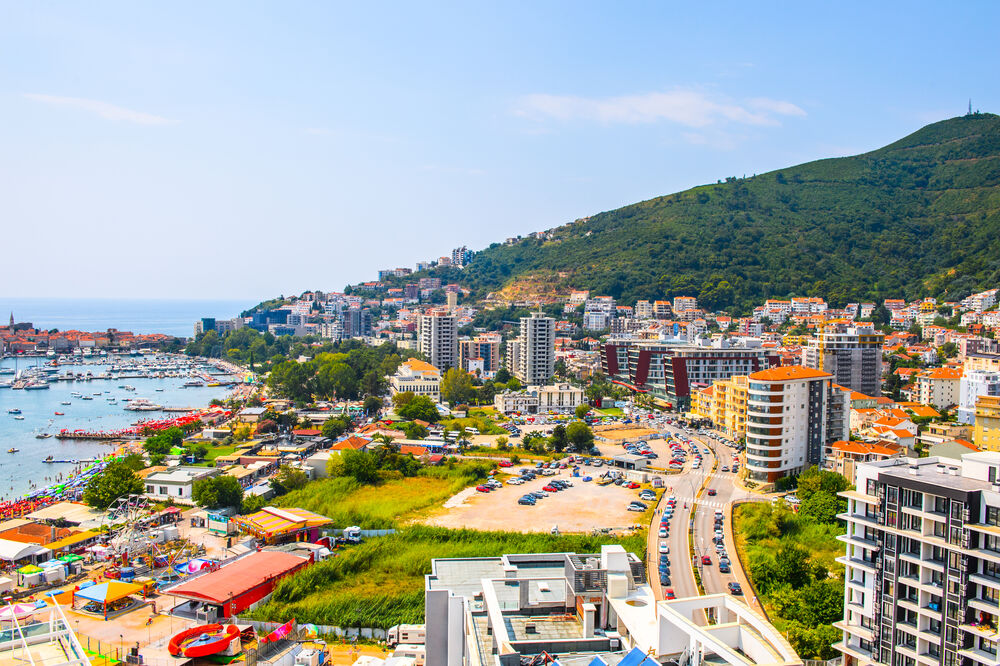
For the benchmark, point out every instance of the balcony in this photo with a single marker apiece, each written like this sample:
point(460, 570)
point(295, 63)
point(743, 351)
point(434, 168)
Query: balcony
point(857, 562)
point(978, 656)
point(854, 540)
point(862, 518)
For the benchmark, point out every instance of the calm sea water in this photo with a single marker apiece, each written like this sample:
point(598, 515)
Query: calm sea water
point(19, 470)
point(171, 317)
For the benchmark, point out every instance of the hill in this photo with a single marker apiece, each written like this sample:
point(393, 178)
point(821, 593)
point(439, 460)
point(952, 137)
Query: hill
point(917, 217)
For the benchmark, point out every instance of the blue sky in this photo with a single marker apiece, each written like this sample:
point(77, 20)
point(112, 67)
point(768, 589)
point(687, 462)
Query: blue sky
point(242, 149)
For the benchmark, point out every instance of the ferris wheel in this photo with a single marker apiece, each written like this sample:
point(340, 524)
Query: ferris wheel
point(124, 524)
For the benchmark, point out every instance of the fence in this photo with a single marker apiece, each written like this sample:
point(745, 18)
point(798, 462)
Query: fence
point(370, 633)
point(337, 531)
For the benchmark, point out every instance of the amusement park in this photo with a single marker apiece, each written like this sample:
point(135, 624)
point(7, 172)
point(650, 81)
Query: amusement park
point(149, 586)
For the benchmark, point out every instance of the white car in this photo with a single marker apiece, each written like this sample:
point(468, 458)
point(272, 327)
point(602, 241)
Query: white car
point(516, 481)
point(664, 548)
point(663, 532)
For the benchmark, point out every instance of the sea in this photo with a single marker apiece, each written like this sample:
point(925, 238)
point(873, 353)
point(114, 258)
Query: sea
point(24, 470)
point(170, 317)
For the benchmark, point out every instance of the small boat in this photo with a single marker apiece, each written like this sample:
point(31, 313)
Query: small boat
point(159, 390)
point(60, 414)
point(12, 450)
point(43, 435)
point(49, 459)
point(67, 402)
point(18, 418)
point(14, 411)
point(86, 397)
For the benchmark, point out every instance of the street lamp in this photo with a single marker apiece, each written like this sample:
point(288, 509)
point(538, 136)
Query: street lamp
point(121, 647)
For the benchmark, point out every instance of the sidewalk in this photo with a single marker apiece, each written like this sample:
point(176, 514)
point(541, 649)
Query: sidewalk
point(736, 562)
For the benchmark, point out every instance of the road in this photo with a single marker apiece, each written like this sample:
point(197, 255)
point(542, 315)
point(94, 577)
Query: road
point(695, 512)
point(684, 486)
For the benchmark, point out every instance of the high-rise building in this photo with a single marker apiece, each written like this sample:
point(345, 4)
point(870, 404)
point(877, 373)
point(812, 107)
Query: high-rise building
point(685, 303)
point(851, 353)
point(485, 347)
point(438, 334)
point(922, 564)
point(667, 369)
point(357, 322)
point(973, 385)
point(643, 310)
point(787, 412)
point(535, 350)
point(662, 310)
point(460, 256)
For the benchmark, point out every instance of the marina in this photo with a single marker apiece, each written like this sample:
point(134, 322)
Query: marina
point(60, 422)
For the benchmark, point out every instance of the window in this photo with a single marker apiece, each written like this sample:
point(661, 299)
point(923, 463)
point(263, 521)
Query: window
point(993, 515)
point(871, 487)
point(941, 505)
point(891, 494)
point(911, 522)
point(957, 509)
point(912, 498)
point(890, 518)
point(163, 490)
point(955, 538)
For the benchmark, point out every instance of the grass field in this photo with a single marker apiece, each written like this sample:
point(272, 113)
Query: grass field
point(389, 503)
point(380, 582)
point(610, 411)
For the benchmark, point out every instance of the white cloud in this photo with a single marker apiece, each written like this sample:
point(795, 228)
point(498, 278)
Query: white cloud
point(690, 108)
point(776, 106)
point(102, 109)
point(319, 131)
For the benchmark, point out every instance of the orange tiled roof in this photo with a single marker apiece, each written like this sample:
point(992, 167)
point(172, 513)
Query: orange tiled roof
point(788, 373)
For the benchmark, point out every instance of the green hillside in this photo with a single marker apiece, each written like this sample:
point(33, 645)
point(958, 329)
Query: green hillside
point(918, 217)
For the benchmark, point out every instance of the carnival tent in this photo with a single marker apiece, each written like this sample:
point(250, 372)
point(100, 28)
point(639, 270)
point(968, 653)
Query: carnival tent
point(271, 522)
point(20, 611)
point(14, 551)
point(108, 592)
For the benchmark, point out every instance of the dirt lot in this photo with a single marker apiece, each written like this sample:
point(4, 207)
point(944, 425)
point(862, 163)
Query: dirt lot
point(582, 508)
point(621, 434)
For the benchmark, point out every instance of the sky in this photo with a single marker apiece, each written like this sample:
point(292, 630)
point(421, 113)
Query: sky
point(249, 149)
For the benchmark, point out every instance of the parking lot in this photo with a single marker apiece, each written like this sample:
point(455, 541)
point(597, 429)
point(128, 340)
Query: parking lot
point(584, 507)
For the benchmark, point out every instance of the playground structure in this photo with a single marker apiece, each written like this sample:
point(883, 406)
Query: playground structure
point(205, 640)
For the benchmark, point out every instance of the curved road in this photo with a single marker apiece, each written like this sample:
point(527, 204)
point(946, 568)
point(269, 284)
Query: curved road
point(699, 517)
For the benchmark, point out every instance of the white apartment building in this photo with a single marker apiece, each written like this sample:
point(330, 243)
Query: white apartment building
point(975, 383)
point(438, 336)
point(685, 303)
point(535, 351)
point(787, 420)
point(922, 562)
point(938, 386)
point(643, 310)
point(176, 483)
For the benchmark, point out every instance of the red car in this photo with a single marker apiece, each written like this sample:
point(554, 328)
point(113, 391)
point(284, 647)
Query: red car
point(668, 593)
point(705, 559)
point(711, 492)
point(482, 489)
point(632, 485)
point(506, 463)
point(550, 489)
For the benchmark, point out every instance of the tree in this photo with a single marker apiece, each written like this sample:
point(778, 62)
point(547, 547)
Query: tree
point(198, 451)
point(415, 430)
point(117, 480)
point(486, 393)
point(560, 368)
point(163, 441)
point(359, 465)
point(580, 435)
point(456, 386)
point(420, 407)
point(582, 410)
point(335, 426)
point(267, 425)
point(218, 492)
point(402, 399)
point(372, 405)
point(134, 462)
point(792, 565)
point(503, 376)
point(503, 443)
point(288, 479)
point(558, 438)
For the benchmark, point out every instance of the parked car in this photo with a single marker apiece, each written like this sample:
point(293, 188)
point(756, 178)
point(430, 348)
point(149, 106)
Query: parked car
point(668, 594)
point(631, 485)
point(664, 548)
point(527, 499)
point(482, 489)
